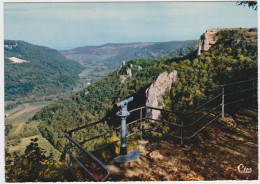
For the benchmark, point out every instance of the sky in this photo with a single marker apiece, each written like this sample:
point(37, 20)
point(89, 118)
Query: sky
point(64, 26)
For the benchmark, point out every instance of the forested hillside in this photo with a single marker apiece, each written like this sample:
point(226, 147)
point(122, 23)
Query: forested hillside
point(35, 71)
point(232, 58)
point(112, 54)
point(101, 60)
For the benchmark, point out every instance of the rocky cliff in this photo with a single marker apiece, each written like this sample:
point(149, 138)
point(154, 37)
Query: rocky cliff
point(155, 93)
point(209, 38)
point(128, 71)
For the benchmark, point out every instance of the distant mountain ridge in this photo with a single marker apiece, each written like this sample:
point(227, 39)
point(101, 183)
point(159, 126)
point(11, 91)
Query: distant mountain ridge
point(112, 54)
point(36, 70)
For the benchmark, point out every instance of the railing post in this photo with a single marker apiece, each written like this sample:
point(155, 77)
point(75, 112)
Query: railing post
point(181, 132)
point(141, 126)
point(223, 102)
point(70, 159)
point(147, 115)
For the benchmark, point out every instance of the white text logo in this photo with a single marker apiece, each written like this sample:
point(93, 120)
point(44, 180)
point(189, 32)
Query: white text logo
point(243, 169)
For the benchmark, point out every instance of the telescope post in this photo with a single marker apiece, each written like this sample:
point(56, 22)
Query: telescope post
point(124, 155)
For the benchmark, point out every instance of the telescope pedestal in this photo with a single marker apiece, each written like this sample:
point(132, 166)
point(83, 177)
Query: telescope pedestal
point(124, 155)
point(130, 156)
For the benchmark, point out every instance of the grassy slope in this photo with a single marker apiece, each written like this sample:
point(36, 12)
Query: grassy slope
point(17, 117)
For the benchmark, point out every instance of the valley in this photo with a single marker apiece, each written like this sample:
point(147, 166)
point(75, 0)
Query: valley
point(95, 63)
point(21, 131)
point(91, 74)
point(101, 60)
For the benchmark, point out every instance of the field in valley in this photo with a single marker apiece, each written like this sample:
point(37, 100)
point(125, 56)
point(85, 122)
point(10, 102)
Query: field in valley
point(92, 73)
point(21, 132)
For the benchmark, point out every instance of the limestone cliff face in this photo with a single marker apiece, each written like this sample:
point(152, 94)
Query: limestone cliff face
point(209, 38)
point(129, 72)
point(155, 93)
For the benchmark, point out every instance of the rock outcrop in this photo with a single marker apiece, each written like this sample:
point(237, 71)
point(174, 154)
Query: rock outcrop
point(209, 38)
point(122, 79)
point(17, 60)
point(120, 67)
point(155, 93)
point(129, 72)
point(11, 46)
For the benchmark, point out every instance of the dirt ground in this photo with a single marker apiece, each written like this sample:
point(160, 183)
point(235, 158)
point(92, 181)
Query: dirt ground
point(227, 150)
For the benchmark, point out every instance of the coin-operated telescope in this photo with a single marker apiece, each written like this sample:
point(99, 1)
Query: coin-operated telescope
point(123, 113)
point(123, 107)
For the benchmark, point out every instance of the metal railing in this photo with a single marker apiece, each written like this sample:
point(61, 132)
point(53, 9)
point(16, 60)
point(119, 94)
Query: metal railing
point(90, 154)
point(183, 126)
point(238, 91)
point(209, 111)
point(73, 143)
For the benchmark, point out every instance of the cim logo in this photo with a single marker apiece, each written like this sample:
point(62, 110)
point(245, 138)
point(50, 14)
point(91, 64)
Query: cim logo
point(243, 169)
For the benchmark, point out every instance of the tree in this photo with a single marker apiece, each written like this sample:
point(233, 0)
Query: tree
point(32, 166)
point(250, 4)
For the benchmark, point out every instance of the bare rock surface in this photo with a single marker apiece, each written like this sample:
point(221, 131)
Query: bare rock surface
point(129, 72)
point(155, 156)
point(158, 162)
point(208, 39)
point(155, 93)
point(122, 79)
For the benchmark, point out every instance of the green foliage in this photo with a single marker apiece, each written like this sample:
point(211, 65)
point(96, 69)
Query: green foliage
point(233, 58)
point(250, 4)
point(32, 166)
point(187, 48)
point(111, 151)
point(47, 71)
point(7, 129)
